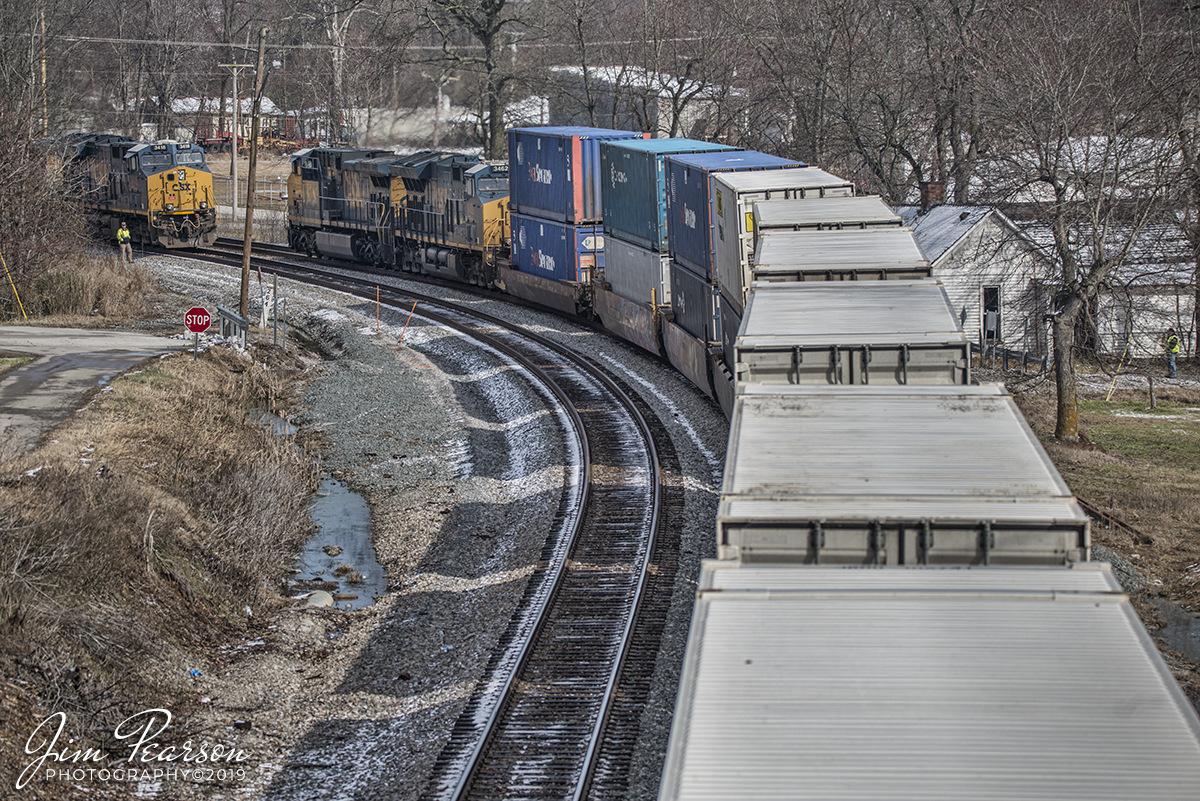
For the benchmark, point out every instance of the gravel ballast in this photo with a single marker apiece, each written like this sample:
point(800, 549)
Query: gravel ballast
point(461, 464)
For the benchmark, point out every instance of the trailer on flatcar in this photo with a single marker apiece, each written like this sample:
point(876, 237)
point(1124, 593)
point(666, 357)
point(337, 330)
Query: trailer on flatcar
point(1001, 684)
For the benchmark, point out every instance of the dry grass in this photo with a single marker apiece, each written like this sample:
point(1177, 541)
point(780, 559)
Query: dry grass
point(1142, 465)
point(155, 519)
point(92, 286)
point(348, 574)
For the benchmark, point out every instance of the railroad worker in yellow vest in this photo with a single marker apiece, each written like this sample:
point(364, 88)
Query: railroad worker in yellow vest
point(1171, 346)
point(123, 241)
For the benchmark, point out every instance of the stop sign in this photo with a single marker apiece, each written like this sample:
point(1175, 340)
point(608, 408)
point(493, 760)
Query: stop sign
point(197, 319)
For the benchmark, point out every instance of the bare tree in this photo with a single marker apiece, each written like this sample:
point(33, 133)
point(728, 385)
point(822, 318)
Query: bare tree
point(491, 26)
point(1085, 153)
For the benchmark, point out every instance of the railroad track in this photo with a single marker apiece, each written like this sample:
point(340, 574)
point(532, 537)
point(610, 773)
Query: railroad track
point(557, 712)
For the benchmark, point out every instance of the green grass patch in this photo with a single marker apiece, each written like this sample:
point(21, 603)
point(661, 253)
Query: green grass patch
point(11, 362)
point(1167, 434)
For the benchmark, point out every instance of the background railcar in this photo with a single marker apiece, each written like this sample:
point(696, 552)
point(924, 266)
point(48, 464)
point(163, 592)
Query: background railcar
point(163, 190)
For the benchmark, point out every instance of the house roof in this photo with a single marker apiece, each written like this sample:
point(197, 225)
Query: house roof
point(939, 229)
point(1158, 255)
point(212, 105)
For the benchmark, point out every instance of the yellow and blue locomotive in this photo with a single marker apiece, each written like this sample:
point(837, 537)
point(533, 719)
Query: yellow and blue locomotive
point(163, 190)
point(443, 214)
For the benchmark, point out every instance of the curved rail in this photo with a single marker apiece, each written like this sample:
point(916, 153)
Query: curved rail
point(537, 719)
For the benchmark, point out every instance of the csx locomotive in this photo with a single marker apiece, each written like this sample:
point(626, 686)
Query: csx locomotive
point(442, 214)
point(163, 190)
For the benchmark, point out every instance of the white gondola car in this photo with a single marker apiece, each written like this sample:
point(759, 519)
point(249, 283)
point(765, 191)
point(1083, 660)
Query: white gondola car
point(938, 684)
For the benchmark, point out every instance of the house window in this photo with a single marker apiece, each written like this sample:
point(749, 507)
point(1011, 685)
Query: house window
point(991, 314)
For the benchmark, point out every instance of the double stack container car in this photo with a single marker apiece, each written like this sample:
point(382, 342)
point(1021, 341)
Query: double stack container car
point(634, 198)
point(910, 683)
point(892, 475)
point(554, 185)
point(876, 332)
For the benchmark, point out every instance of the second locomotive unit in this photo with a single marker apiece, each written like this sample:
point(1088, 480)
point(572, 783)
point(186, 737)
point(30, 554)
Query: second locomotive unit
point(162, 190)
point(443, 214)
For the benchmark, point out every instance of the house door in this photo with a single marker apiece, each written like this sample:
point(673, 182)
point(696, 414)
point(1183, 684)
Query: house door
point(991, 314)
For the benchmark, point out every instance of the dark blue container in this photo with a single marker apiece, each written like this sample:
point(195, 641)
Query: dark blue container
point(689, 198)
point(555, 172)
point(556, 250)
point(696, 304)
point(634, 187)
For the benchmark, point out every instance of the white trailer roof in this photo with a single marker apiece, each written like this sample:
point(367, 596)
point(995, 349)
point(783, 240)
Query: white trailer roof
point(830, 211)
point(862, 313)
point(845, 249)
point(939, 452)
point(929, 684)
point(789, 178)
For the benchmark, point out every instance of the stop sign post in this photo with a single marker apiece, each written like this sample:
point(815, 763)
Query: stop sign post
point(197, 319)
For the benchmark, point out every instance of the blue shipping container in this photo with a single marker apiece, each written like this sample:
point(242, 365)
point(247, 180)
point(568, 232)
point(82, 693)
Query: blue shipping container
point(696, 304)
point(689, 199)
point(634, 186)
point(554, 173)
point(555, 250)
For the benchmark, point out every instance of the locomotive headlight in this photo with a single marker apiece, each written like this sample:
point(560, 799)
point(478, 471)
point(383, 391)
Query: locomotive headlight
point(170, 207)
point(203, 204)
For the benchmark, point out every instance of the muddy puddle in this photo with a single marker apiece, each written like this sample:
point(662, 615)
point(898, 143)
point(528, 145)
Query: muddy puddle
point(1180, 631)
point(339, 558)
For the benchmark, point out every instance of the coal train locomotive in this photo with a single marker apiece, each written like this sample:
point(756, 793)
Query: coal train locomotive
point(162, 190)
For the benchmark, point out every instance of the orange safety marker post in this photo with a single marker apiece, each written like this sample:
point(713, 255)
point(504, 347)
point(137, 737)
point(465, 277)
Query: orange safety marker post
point(406, 322)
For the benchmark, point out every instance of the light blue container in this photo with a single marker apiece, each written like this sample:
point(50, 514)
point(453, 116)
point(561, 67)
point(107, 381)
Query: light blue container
point(554, 173)
point(689, 200)
point(634, 186)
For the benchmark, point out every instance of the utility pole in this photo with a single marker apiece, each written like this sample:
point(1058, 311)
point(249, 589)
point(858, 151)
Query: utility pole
point(237, 106)
point(258, 93)
point(45, 114)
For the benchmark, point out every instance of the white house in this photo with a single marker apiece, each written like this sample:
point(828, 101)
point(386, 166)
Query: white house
point(1153, 290)
point(995, 276)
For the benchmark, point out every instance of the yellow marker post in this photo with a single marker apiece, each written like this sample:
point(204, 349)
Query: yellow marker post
point(20, 305)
